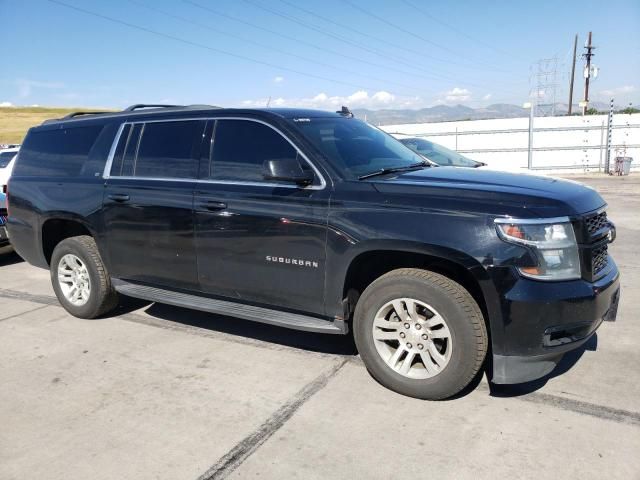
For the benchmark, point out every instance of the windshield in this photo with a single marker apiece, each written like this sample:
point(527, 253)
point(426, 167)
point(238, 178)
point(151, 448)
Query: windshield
point(6, 157)
point(439, 154)
point(354, 146)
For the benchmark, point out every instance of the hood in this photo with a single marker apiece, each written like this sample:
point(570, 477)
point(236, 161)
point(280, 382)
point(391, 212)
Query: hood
point(500, 193)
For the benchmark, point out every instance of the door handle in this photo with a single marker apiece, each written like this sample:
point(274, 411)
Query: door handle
point(213, 206)
point(119, 197)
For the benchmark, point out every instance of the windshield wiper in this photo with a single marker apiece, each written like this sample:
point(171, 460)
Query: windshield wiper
point(384, 171)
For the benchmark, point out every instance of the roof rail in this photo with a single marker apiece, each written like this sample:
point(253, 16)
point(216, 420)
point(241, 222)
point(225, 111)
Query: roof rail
point(139, 106)
point(202, 105)
point(77, 114)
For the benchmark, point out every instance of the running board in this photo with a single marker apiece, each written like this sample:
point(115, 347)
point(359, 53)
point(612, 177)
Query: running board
point(223, 307)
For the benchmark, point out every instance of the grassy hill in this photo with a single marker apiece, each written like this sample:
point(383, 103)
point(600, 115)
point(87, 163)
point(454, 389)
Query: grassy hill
point(15, 121)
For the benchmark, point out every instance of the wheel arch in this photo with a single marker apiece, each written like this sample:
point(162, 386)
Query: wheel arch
point(379, 257)
point(56, 228)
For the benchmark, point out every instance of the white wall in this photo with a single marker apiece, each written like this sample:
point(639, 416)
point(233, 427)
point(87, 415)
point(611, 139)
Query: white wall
point(573, 146)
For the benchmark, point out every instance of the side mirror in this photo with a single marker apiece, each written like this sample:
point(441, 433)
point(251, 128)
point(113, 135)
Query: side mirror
point(286, 170)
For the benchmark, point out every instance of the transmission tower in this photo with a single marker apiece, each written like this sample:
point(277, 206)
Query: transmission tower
point(545, 86)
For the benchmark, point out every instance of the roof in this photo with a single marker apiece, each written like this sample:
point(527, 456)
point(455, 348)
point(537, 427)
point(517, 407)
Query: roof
point(152, 110)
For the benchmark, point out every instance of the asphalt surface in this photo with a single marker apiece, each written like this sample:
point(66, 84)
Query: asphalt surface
point(156, 392)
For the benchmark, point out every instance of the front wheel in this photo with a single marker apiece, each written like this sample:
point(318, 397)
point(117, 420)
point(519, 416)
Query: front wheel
point(80, 279)
point(420, 333)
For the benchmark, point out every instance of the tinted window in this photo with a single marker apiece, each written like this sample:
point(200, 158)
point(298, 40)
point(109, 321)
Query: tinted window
point(6, 157)
point(169, 149)
point(116, 165)
point(354, 146)
point(439, 154)
point(130, 150)
point(57, 153)
point(97, 158)
point(240, 148)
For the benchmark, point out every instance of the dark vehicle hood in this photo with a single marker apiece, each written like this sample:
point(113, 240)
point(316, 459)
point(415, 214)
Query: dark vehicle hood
point(495, 192)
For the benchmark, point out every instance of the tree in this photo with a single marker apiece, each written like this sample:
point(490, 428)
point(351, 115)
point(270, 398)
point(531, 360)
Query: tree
point(630, 110)
point(592, 111)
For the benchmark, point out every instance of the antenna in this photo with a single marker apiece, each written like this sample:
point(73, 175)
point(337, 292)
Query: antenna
point(345, 111)
point(269, 101)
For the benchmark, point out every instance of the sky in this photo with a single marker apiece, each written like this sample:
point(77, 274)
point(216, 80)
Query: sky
point(310, 53)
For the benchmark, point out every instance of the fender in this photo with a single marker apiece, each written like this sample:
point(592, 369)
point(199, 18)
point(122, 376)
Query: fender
point(338, 265)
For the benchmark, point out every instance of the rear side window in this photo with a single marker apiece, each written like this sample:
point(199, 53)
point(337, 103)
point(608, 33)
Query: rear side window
point(169, 149)
point(240, 148)
point(56, 153)
point(159, 150)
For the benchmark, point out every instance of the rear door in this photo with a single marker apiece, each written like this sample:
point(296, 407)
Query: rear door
point(259, 241)
point(148, 203)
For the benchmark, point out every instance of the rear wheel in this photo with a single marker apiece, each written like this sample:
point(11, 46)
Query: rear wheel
point(80, 279)
point(420, 333)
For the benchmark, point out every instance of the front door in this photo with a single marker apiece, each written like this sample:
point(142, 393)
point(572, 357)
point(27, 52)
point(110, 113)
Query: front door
point(148, 203)
point(259, 241)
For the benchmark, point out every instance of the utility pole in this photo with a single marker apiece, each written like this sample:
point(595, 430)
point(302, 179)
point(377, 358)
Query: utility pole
point(573, 74)
point(587, 75)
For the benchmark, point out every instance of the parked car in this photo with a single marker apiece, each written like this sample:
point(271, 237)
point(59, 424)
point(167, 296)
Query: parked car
point(4, 239)
point(439, 154)
point(317, 221)
point(7, 156)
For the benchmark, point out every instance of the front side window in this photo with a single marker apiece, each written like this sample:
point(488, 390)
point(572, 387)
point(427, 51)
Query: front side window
point(241, 147)
point(355, 147)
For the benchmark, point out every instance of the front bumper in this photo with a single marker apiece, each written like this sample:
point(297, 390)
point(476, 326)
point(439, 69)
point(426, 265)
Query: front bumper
point(544, 320)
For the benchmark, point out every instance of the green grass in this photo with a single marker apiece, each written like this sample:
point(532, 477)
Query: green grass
point(15, 121)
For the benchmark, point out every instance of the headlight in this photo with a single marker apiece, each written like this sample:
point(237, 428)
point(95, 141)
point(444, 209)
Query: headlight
point(552, 242)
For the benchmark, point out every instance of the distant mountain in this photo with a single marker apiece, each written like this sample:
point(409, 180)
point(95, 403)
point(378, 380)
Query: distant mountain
point(448, 113)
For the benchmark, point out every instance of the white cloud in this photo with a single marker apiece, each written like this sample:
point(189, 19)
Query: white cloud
point(457, 95)
point(25, 87)
point(358, 99)
point(618, 91)
point(6, 104)
point(487, 97)
point(278, 79)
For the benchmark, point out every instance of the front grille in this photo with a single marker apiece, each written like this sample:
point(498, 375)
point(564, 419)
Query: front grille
point(596, 222)
point(3, 219)
point(599, 258)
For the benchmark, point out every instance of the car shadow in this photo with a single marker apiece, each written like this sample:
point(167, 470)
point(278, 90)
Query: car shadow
point(309, 341)
point(328, 344)
point(566, 363)
point(9, 258)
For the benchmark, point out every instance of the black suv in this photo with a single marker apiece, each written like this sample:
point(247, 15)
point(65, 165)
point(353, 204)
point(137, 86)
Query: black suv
point(317, 221)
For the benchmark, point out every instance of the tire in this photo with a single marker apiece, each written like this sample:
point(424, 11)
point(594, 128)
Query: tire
point(101, 297)
point(451, 352)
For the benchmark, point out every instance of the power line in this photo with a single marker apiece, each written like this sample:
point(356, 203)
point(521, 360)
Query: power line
point(429, 76)
point(400, 48)
point(350, 28)
point(203, 46)
point(340, 38)
point(413, 34)
point(200, 45)
point(459, 31)
point(261, 45)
